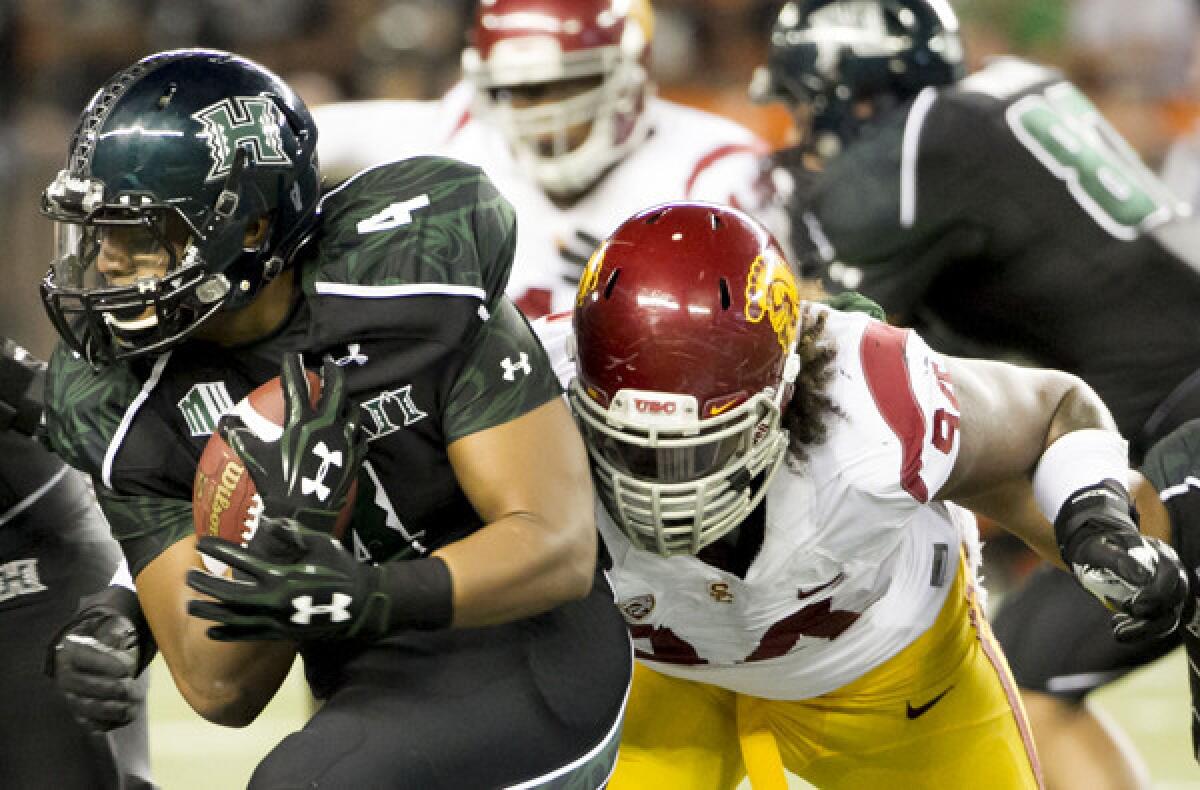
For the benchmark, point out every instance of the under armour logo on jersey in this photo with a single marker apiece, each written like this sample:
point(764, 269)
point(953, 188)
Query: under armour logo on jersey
point(337, 609)
point(328, 458)
point(355, 355)
point(511, 368)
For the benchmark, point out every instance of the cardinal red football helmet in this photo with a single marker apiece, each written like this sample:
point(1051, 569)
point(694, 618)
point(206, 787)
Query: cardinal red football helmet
point(519, 43)
point(685, 325)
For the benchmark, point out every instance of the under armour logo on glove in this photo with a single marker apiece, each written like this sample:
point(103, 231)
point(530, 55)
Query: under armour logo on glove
point(354, 354)
point(511, 368)
point(338, 609)
point(308, 473)
point(310, 486)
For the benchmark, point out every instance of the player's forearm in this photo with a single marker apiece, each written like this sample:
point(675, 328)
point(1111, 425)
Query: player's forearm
point(519, 566)
point(226, 683)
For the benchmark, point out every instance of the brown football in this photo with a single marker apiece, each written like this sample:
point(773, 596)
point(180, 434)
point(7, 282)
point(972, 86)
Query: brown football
point(224, 500)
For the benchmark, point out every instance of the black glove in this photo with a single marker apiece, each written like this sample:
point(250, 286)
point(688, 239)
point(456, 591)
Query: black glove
point(576, 252)
point(300, 584)
point(95, 661)
point(307, 474)
point(1138, 578)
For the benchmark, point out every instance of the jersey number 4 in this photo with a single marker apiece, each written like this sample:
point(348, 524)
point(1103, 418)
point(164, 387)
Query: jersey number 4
point(1104, 175)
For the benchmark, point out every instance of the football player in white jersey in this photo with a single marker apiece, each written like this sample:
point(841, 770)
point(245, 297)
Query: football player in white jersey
point(566, 124)
point(557, 106)
point(782, 489)
point(355, 135)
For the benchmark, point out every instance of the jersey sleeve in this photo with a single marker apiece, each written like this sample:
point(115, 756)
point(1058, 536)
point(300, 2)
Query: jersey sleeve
point(506, 375)
point(421, 224)
point(145, 526)
point(414, 255)
point(916, 413)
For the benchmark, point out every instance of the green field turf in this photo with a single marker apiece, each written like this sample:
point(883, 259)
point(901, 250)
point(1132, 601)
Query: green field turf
point(190, 754)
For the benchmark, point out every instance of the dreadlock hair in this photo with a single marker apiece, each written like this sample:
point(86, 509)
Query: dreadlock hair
point(805, 413)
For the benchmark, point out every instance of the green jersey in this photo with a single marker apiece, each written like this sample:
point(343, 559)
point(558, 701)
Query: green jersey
point(402, 283)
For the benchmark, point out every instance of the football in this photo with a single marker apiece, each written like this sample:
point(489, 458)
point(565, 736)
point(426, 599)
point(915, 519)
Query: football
point(224, 501)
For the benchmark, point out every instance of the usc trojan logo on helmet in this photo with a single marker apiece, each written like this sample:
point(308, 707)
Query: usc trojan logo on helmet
point(590, 280)
point(771, 292)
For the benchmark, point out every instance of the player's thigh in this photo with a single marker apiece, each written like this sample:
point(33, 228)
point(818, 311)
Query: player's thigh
point(678, 734)
point(535, 703)
point(1058, 638)
point(941, 713)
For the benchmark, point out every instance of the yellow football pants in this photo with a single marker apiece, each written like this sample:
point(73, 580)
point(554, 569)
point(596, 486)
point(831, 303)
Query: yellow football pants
point(880, 731)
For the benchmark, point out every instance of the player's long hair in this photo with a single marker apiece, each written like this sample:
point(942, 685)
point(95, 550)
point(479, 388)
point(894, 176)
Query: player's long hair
point(804, 417)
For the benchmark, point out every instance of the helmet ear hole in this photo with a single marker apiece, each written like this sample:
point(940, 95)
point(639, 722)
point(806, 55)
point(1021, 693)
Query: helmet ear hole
point(726, 296)
point(611, 284)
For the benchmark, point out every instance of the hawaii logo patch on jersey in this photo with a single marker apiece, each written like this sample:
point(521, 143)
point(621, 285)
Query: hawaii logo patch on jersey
point(19, 577)
point(203, 405)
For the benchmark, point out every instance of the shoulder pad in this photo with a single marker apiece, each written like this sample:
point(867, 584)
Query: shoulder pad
point(425, 220)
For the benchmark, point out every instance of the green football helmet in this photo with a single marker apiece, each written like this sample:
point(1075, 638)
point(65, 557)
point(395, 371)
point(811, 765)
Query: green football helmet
point(188, 153)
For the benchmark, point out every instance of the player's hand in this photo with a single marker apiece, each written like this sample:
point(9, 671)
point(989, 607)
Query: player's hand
point(94, 661)
point(1140, 579)
point(292, 583)
point(576, 251)
point(307, 474)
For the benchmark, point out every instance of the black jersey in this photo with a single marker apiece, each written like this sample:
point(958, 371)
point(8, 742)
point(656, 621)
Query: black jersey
point(402, 284)
point(1173, 467)
point(1005, 209)
point(41, 499)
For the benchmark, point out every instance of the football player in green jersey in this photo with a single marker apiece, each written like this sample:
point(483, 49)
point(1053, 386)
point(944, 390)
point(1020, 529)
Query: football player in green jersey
point(56, 554)
point(194, 251)
point(1002, 215)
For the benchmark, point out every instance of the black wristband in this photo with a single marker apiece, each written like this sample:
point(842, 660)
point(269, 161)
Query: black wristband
point(420, 593)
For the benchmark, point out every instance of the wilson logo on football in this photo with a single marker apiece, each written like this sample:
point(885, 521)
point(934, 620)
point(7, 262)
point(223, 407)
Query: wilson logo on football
point(227, 483)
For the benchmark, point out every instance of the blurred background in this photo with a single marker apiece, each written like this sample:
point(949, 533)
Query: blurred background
point(1134, 59)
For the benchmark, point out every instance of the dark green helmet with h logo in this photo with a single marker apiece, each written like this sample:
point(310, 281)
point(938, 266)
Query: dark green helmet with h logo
point(201, 161)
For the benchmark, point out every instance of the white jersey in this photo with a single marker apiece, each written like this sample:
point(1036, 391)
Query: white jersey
point(856, 557)
point(355, 135)
point(689, 154)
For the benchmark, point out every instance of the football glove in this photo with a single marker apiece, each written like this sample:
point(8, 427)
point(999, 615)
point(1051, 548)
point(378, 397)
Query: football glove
point(96, 658)
point(298, 584)
point(1140, 579)
point(307, 474)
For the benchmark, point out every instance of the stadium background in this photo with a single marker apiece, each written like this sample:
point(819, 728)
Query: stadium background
point(1133, 59)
